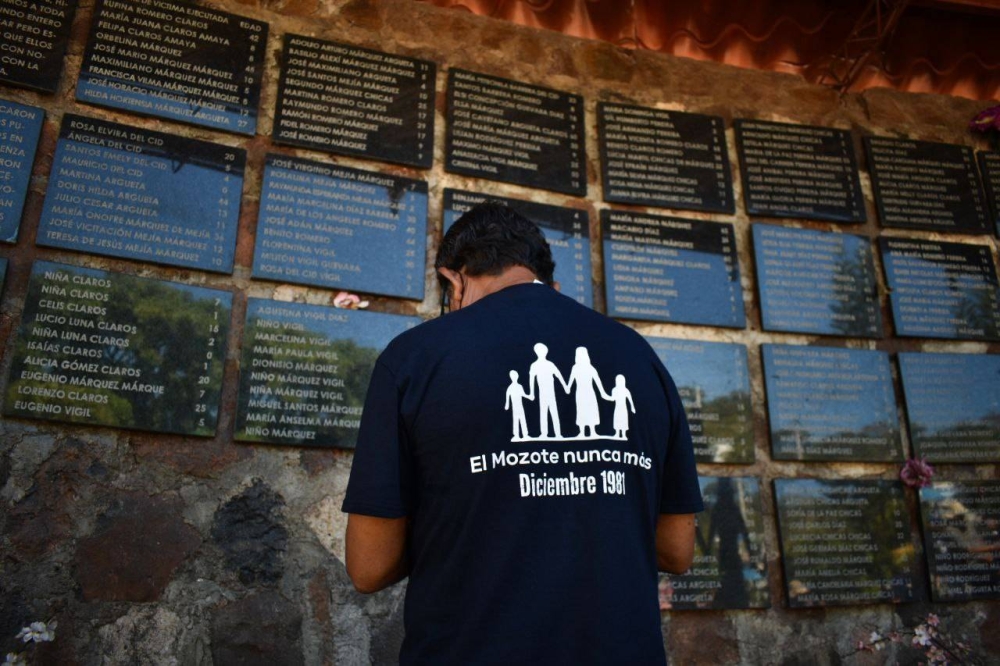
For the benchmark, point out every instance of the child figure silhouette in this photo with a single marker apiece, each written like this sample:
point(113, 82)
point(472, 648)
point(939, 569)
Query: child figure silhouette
point(515, 394)
point(622, 399)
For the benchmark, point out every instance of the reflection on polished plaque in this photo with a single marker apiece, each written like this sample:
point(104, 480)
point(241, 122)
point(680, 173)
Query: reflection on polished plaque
point(126, 192)
point(845, 542)
point(331, 226)
point(513, 132)
point(567, 231)
point(714, 385)
point(942, 290)
point(305, 371)
point(730, 566)
point(663, 158)
point(989, 164)
point(816, 282)
point(20, 127)
point(105, 348)
point(35, 36)
point(953, 405)
point(831, 404)
point(176, 60)
point(670, 269)
point(961, 522)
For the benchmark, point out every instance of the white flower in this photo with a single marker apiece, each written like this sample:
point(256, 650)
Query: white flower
point(14, 659)
point(38, 632)
point(875, 637)
point(921, 636)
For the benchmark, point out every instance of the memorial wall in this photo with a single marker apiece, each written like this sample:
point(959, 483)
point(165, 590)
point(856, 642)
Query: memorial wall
point(186, 187)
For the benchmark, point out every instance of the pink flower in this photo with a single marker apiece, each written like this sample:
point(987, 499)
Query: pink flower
point(916, 473)
point(986, 120)
point(933, 620)
point(349, 301)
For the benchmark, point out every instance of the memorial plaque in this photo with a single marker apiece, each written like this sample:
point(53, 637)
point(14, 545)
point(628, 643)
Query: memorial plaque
point(989, 164)
point(831, 404)
point(510, 131)
point(3, 273)
point(845, 542)
point(175, 60)
point(664, 158)
point(669, 269)
point(942, 290)
point(20, 127)
point(567, 231)
point(714, 385)
point(35, 37)
point(953, 405)
point(799, 171)
point(816, 282)
point(354, 101)
point(961, 522)
point(305, 371)
point(331, 226)
point(133, 193)
point(924, 185)
point(104, 348)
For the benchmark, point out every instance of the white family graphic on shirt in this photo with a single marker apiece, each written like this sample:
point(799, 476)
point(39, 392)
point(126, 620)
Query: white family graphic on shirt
point(542, 375)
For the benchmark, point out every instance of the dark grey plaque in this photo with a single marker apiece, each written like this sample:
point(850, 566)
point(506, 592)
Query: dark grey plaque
point(730, 566)
point(3, 273)
point(567, 231)
point(20, 127)
point(816, 282)
point(355, 101)
point(989, 164)
point(669, 269)
point(924, 185)
point(714, 385)
point(799, 171)
point(506, 130)
point(35, 35)
point(110, 349)
point(942, 290)
point(962, 539)
point(953, 405)
point(175, 60)
point(127, 192)
point(664, 158)
point(845, 542)
point(831, 404)
point(305, 371)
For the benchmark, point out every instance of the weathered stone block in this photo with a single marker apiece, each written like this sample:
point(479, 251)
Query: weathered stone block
point(250, 532)
point(263, 629)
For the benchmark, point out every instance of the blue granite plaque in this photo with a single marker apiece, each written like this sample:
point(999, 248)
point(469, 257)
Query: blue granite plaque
point(816, 282)
point(35, 36)
point(567, 231)
point(953, 405)
point(669, 269)
point(942, 290)
point(105, 348)
point(127, 192)
point(989, 165)
point(305, 371)
point(176, 60)
point(20, 127)
point(831, 404)
point(714, 385)
point(331, 226)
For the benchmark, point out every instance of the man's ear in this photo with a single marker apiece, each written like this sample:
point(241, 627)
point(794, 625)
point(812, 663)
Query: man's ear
point(455, 279)
point(556, 285)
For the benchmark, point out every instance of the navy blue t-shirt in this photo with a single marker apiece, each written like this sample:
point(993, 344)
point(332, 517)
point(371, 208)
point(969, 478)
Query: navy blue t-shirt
point(532, 443)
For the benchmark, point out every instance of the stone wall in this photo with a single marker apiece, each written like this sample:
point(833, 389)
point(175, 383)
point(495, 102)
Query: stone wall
point(159, 549)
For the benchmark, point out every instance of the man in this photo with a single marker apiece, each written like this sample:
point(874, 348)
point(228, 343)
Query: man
point(518, 552)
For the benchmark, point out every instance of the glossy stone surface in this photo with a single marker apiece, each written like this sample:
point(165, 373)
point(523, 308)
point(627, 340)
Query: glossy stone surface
point(989, 166)
point(20, 126)
point(41, 31)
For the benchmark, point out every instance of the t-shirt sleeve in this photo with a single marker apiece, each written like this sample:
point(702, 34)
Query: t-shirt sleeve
point(380, 475)
point(680, 492)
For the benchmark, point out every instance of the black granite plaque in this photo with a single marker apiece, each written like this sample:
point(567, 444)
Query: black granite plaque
point(175, 60)
point(506, 130)
point(845, 542)
point(128, 192)
point(664, 158)
point(567, 231)
point(942, 290)
point(355, 101)
point(799, 171)
point(953, 405)
point(669, 269)
point(989, 164)
point(714, 385)
point(816, 282)
point(3, 274)
point(105, 348)
point(924, 185)
point(961, 522)
point(35, 35)
point(331, 226)
point(831, 404)
point(20, 127)
point(305, 371)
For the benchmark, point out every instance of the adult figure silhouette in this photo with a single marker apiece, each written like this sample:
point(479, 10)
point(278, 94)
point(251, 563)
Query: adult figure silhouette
point(584, 375)
point(544, 373)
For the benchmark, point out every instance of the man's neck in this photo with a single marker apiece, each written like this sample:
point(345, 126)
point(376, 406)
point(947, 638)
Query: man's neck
point(483, 285)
